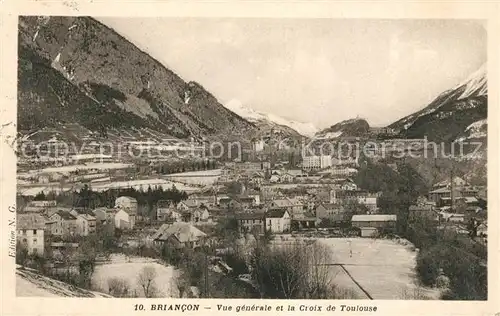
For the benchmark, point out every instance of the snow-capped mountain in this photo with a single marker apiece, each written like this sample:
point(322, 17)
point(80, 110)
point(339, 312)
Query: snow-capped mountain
point(476, 84)
point(272, 120)
point(451, 113)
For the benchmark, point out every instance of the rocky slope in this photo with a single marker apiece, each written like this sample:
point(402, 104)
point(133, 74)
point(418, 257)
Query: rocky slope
point(77, 70)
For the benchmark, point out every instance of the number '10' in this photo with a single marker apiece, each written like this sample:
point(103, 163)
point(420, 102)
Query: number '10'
point(138, 307)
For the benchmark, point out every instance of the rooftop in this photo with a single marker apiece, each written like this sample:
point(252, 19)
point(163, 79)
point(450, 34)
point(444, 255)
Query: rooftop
point(30, 221)
point(275, 213)
point(65, 215)
point(184, 232)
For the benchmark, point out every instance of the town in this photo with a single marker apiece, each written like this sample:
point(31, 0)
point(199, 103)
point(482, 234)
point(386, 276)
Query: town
point(256, 158)
point(92, 211)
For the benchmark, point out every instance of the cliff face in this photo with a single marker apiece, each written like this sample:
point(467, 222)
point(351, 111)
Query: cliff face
point(75, 69)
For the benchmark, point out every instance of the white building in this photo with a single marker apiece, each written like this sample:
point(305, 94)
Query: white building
point(85, 224)
point(278, 221)
point(316, 162)
point(124, 220)
point(126, 202)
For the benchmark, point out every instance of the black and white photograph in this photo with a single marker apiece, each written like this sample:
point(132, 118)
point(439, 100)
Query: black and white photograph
point(251, 158)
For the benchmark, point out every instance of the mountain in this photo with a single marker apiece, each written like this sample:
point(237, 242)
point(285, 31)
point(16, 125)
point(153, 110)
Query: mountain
point(77, 70)
point(452, 114)
point(267, 121)
point(356, 127)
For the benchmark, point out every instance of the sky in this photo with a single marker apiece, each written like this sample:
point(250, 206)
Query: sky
point(315, 70)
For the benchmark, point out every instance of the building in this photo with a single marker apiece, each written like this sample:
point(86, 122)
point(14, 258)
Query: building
point(124, 219)
point(126, 202)
point(278, 221)
point(104, 215)
point(62, 223)
point(199, 199)
point(30, 232)
point(39, 206)
point(257, 178)
point(316, 162)
point(186, 205)
point(330, 211)
point(179, 235)
point(372, 225)
point(251, 222)
point(196, 215)
point(85, 224)
point(164, 210)
point(42, 204)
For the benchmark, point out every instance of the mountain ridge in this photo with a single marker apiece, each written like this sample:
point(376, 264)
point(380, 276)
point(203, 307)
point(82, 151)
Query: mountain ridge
point(112, 72)
point(446, 118)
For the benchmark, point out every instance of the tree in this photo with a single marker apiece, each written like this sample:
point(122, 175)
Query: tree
point(21, 254)
point(118, 287)
point(146, 280)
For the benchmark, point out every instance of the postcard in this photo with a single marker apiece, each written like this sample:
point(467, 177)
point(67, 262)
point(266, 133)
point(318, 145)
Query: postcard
point(249, 158)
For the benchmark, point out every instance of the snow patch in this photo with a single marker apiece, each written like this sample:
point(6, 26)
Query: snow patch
point(475, 84)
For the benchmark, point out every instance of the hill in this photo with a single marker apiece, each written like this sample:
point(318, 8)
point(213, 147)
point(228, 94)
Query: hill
point(356, 127)
point(77, 70)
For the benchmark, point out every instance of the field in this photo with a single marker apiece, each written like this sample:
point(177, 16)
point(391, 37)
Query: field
point(121, 267)
point(383, 268)
point(376, 268)
point(144, 185)
point(206, 177)
point(89, 166)
point(32, 190)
